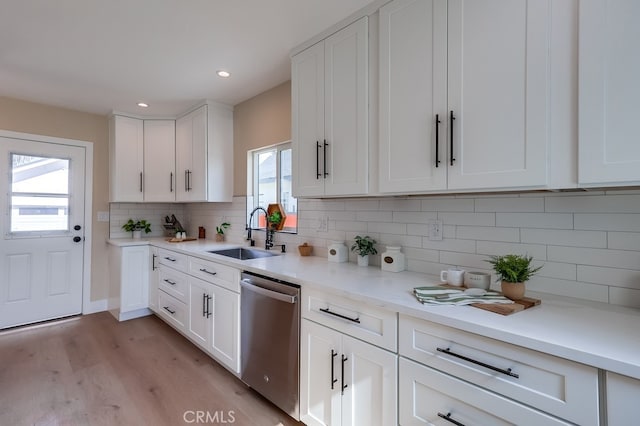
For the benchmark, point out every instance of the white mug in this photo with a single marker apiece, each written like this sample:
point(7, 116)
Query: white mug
point(477, 280)
point(452, 276)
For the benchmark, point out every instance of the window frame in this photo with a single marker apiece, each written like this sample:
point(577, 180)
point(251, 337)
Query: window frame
point(253, 184)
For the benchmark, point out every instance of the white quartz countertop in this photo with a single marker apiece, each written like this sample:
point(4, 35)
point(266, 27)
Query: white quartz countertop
point(597, 334)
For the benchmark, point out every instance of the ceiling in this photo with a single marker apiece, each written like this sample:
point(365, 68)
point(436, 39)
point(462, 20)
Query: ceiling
point(103, 55)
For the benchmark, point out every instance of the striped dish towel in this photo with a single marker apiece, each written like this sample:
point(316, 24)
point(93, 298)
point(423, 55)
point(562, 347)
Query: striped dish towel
point(451, 296)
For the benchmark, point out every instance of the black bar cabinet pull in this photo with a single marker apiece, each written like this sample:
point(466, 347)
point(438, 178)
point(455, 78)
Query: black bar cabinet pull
point(451, 118)
point(166, 308)
point(327, 311)
point(189, 188)
point(333, 356)
point(207, 272)
point(186, 180)
point(153, 262)
point(168, 281)
point(437, 139)
point(204, 305)
point(209, 298)
point(507, 372)
point(171, 182)
point(324, 157)
point(318, 146)
point(170, 259)
point(344, 385)
point(448, 418)
point(140, 181)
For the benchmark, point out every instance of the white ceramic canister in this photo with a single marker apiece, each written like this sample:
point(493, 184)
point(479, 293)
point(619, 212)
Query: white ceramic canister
point(337, 252)
point(392, 259)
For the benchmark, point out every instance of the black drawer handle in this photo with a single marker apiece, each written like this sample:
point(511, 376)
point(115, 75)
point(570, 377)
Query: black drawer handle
point(451, 118)
point(166, 308)
point(170, 259)
point(344, 385)
point(507, 372)
point(333, 356)
point(448, 418)
point(318, 146)
point(169, 281)
point(207, 272)
point(437, 139)
point(327, 311)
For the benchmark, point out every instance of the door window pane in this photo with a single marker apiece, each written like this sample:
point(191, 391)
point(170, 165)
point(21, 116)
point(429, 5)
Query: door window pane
point(39, 194)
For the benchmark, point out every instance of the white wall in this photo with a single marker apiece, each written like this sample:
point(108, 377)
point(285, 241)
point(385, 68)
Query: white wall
point(120, 213)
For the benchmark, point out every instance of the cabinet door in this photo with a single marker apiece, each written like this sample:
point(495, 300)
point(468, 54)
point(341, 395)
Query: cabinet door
point(346, 124)
point(320, 365)
point(199, 322)
point(154, 277)
point(191, 156)
point(135, 278)
point(498, 90)
point(623, 394)
point(159, 160)
point(370, 376)
point(126, 153)
point(225, 336)
point(413, 94)
point(609, 64)
point(307, 99)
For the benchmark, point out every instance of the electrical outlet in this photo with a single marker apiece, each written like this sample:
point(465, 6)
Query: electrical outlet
point(103, 216)
point(323, 224)
point(434, 230)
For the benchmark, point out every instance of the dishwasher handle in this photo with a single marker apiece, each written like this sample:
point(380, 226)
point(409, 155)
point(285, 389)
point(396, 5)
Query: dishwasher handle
point(247, 284)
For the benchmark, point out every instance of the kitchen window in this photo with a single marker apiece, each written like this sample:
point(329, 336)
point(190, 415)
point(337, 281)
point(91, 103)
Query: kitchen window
point(269, 180)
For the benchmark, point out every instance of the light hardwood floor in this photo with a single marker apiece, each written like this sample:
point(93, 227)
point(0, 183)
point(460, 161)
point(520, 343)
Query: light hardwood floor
point(93, 370)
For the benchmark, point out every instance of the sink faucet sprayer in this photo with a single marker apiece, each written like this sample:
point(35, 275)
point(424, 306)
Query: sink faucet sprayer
point(268, 242)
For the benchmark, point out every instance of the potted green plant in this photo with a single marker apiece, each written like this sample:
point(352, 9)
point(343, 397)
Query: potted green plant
point(514, 271)
point(364, 246)
point(137, 227)
point(274, 220)
point(220, 231)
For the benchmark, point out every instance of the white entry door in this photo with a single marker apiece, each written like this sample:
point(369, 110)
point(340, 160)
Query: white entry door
point(42, 190)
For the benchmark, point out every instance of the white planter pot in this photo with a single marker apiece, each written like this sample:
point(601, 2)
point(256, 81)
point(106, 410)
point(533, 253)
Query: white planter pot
point(137, 235)
point(363, 260)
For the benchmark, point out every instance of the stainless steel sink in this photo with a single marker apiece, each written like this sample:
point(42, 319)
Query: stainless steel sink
point(242, 253)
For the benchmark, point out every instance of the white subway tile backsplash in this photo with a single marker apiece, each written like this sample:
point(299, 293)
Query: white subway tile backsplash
point(538, 251)
point(509, 205)
point(469, 219)
point(558, 237)
point(535, 220)
point(623, 240)
point(588, 242)
point(608, 222)
point(488, 233)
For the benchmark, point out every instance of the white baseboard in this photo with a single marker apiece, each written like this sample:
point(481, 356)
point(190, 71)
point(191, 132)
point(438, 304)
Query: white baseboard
point(95, 306)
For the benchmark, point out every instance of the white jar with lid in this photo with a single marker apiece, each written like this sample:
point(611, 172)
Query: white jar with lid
point(337, 252)
point(392, 259)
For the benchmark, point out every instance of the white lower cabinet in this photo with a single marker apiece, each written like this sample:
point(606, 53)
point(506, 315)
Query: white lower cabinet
point(623, 394)
point(201, 299)
point(345, 381)
point(129, 283)
point(153, 279)
point(428, 396)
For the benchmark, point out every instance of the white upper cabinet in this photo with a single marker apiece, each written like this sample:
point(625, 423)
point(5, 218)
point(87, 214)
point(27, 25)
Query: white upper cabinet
point(204, 154)
point(159, 160)
point(330, 110)
point(126, 159)
point(609, 60)
point(464, 94)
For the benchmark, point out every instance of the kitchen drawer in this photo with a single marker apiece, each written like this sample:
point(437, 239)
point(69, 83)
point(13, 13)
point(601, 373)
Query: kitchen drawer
point(425, 395)
point(173, 311)
point(560, 387)
point(222, 275)
point(173, 260)
point(374, 325)
point(173, 282)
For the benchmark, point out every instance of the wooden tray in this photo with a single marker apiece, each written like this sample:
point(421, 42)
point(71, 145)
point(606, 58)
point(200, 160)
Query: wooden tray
point(182, 240)
point(503, 309)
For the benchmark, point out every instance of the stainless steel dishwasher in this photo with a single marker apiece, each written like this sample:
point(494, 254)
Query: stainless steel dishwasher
point(270, 339)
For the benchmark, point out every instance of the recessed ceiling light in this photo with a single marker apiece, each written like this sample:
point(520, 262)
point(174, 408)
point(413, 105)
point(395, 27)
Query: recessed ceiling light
point(223, 74)
point(142, 105)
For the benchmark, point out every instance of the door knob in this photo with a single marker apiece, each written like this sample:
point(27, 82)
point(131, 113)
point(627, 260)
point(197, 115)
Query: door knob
point(77, 227)
point(77, 239)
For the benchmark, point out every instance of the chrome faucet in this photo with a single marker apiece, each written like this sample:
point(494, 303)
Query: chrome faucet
point(268, 242)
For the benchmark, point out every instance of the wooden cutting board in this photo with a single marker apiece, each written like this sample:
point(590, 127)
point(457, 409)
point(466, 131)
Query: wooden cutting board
point(182, 240)
point(502, 309)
